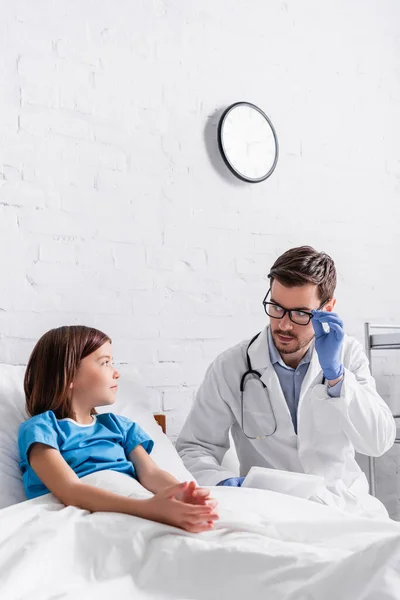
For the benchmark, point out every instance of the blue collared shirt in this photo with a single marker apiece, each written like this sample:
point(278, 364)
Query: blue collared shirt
point(291, 379)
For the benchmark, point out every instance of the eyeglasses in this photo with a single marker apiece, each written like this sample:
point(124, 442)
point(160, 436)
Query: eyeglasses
point(297, 316)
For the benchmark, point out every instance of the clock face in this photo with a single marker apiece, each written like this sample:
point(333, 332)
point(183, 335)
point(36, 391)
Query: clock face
point(248, 142)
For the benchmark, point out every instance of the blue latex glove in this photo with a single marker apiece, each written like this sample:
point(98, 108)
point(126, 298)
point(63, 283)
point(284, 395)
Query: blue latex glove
point(328, 345)
point(232, 481)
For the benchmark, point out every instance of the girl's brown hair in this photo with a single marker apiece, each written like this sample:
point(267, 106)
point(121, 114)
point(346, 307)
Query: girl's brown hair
point(52, 368)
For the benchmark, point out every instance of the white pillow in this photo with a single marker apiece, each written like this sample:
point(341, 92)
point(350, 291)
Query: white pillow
point(132, 402)
point(12, 413)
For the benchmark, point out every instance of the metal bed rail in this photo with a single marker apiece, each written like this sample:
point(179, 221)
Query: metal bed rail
point(379, 341)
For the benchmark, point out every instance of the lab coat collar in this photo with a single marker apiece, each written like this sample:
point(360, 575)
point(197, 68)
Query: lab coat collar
point(259, 351)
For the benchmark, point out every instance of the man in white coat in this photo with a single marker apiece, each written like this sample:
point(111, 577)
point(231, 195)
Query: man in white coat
point(308, 402)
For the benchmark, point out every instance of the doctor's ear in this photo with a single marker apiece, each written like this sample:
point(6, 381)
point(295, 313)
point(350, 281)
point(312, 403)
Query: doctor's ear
point(329, 306)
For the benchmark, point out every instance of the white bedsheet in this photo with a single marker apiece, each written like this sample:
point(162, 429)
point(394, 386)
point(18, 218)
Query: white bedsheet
point(266, 545)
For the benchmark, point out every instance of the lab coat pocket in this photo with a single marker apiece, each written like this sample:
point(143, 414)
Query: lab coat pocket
point(327, 414)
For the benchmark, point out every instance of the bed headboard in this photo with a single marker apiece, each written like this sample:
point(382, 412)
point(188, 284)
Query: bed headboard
point(162, 421)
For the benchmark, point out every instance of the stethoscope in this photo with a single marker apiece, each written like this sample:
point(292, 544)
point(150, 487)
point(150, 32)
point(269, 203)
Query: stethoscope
point(252, 372)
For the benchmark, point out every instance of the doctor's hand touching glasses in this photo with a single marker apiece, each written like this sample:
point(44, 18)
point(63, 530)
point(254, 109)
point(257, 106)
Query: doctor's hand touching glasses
point(328, 343)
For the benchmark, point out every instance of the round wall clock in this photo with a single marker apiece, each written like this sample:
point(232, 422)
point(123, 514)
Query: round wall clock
point(247, 141)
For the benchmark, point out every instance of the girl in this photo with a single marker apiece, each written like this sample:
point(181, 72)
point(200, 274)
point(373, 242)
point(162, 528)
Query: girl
point(70, 371)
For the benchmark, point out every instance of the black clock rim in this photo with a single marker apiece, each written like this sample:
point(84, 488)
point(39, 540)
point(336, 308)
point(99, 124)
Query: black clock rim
point(222, 151)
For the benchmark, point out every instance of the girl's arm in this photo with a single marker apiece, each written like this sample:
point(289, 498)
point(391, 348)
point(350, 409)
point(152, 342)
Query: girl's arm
point(62, 481)
point(155, 479)
point(148, 473)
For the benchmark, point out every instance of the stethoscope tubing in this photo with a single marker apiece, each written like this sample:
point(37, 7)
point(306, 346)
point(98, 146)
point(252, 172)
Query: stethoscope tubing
point(251, 371)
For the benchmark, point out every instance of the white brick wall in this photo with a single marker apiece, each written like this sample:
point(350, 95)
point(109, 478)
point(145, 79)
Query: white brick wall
point(116, 211)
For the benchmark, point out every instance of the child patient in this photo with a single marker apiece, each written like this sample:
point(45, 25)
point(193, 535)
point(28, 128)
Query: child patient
point(69, 373)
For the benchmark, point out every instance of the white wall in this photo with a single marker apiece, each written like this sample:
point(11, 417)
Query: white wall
point(116, 210)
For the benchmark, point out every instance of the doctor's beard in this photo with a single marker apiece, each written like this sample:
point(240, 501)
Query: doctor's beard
point(299, 344)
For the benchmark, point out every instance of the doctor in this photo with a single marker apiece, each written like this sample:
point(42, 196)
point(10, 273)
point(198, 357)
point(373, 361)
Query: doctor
point(308, 402)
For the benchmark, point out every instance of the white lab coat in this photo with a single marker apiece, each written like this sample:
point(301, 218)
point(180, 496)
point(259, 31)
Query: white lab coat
point(330, 430)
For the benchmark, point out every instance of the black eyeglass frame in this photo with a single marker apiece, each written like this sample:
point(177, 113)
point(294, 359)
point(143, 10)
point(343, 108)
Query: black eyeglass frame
point(290, 310)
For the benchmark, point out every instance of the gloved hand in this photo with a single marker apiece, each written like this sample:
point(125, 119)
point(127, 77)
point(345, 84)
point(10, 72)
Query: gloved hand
point(232, 481)
point(328, 345)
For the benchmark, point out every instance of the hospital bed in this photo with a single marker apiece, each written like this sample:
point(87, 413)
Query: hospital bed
point(265, 545)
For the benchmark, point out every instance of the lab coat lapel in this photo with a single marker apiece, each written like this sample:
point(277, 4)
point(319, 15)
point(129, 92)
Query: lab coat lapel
point(313, 376)
point(278, 401)
point(259, 351)
point(261, 362)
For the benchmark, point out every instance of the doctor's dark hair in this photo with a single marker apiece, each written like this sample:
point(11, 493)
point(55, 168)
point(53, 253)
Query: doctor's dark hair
point(52, 367)
point(303, 265)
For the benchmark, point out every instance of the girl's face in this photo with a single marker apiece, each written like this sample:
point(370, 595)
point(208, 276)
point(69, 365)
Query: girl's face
point(96, 380)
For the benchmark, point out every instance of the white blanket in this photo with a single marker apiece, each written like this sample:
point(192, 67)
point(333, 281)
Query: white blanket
point(265, 545)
